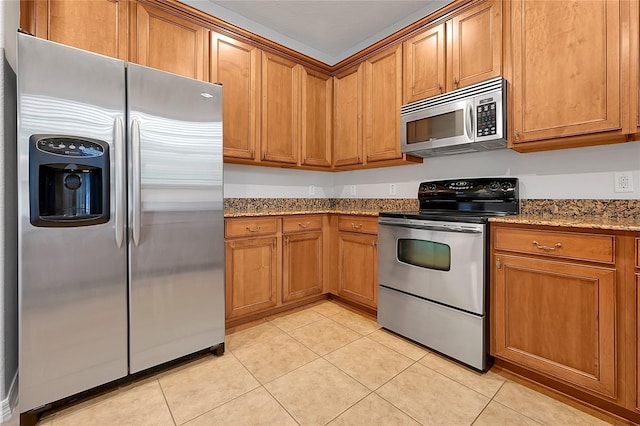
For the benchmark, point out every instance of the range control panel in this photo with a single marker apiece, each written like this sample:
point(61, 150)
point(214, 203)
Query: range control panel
point(70, 146)
point(487, 118)
point(492, 188)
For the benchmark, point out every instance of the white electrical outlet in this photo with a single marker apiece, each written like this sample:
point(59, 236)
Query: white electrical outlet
point(312, 190)
point(623, 182)
point(392, 189)
point(353, 190)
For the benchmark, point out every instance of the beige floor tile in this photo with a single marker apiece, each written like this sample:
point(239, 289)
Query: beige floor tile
point(260, 333)
point(205, 385)
point(328, 308)
point(373, 411)
point(498, 414)
point(325, 336)
point(297, 320)
point(139, 405)
point(487, 384)
point(399, 344)
point(317, 392)
point(356, 322)
point(256, 408)
point(369, 362)
point(272, 359)
point(541, 408)
point(432, 398)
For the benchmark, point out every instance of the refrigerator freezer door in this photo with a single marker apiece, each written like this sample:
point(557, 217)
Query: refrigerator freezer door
point(176, 239)
point(72, 280)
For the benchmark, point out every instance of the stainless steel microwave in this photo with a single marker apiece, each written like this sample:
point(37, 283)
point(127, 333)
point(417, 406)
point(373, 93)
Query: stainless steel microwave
point(473, 118)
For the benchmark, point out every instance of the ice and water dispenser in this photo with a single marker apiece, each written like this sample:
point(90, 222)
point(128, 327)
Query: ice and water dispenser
point(68, 181)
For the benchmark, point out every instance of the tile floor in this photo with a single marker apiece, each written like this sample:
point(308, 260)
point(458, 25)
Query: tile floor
point(321, 365)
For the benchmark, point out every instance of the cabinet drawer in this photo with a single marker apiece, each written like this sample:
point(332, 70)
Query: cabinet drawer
point(367, 225)
point(301, 223)
point(250, 226)
point(589, 247)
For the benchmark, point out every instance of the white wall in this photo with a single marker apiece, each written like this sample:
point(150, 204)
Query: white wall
point(568, 173)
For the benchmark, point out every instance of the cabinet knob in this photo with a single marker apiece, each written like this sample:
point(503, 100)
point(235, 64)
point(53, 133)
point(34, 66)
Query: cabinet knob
point(304, 225)
point(356, 225)
point(256, 229)
point(286, 240)
point(546, 248)
point(517, 134)
point(455, 83)
point(440, 88)
point(498, 264)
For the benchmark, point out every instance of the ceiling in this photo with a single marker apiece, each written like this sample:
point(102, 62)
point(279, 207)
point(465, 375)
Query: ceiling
point(327, 30)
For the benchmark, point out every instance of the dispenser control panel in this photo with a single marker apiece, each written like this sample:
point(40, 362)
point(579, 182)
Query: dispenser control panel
point(70, 146)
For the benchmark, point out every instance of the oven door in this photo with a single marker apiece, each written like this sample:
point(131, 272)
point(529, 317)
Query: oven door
point(443, 262)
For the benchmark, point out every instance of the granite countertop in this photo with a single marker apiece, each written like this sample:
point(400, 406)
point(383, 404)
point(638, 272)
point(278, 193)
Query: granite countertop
point(276, 212)
point(588, 222)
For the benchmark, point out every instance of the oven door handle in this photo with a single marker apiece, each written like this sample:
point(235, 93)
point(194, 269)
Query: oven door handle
point(454, 228)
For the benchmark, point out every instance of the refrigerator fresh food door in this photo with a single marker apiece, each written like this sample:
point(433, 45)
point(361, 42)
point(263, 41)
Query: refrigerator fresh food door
point(72, 274)
point(176, 238)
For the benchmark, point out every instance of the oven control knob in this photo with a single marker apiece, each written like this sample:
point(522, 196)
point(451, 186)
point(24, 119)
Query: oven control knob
point(431, 187)
point(506, 186)
point(494, 186)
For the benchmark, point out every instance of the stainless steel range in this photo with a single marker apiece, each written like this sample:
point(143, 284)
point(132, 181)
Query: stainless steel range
point(433, 266)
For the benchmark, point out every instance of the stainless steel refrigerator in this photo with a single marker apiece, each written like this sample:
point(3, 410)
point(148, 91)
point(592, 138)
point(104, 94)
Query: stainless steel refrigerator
point(121, 252)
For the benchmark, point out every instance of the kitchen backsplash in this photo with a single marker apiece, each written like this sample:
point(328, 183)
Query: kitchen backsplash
point(629, 209)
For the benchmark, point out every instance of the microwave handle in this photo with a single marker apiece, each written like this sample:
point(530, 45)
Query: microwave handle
point(470, 121)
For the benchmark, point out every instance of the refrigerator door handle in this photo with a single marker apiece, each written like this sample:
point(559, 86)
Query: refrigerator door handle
point(135, 154)
point(119, 206)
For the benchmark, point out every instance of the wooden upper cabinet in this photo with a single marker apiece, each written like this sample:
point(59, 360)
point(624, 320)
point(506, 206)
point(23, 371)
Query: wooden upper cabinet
point(168, 42)
point(474, 46)
point(280, 109)
point(347, 116)
point(98, 26)
point(316, 118)
point(424, 64)
point(237, 66)
point(382, 102)
point(566, 68)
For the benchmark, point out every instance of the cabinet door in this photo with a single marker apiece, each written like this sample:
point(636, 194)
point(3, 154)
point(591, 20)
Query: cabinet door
point(237, 66)
point(316, 118)
point(347, 117)
point(98, 26)
point(280, 109)
point(424, 64)
point(357, 268)
point(302, 265)
point(251, 275)
point(566, 68)
point(637, 342)
point(475, 48)
point(382, 102)
point(169, 42)
point(557, 318)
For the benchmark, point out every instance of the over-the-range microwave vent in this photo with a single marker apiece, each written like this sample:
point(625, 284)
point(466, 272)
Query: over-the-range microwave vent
point(494, 84)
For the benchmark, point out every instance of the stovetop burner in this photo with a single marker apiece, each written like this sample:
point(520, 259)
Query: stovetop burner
point(464, 200)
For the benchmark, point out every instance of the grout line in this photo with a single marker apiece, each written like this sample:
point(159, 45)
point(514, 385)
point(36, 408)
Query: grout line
point(166, 401)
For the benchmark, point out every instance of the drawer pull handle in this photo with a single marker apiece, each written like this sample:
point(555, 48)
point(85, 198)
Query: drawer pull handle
point(304, 225)
point(256, 229)
point(356, 225)
point(547, 248)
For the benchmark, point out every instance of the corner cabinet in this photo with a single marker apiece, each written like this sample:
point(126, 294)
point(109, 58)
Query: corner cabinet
point(347, 116)
point(302, 260)
point(464, 50)
point(316, 118)
point(168, 42)
point(358, 259)
point(567, 73)
point(554, 298)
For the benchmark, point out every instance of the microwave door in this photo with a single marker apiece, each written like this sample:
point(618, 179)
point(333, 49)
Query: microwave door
point(437, 127)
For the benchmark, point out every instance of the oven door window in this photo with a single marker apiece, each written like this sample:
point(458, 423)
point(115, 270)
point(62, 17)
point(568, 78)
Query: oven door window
point(424, 254)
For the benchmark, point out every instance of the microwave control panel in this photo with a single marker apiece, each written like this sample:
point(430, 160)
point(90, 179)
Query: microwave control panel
point(487, 119)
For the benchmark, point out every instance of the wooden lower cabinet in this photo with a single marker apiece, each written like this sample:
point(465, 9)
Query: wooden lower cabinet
point(302, 265)
point(251, 275)
point(558, 318)
point(358, 260)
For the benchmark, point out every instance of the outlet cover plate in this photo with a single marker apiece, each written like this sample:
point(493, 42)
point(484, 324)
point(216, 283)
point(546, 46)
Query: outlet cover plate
point(623, 182)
